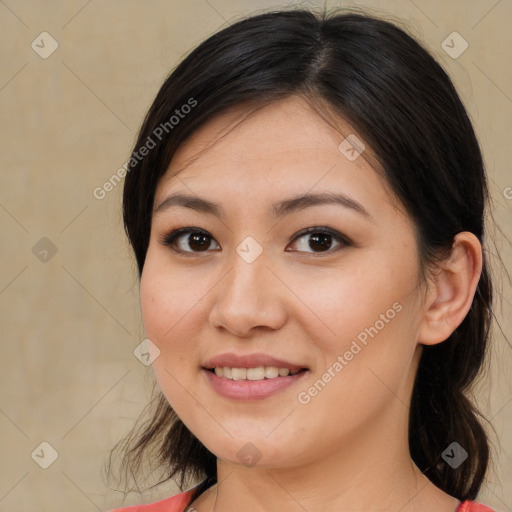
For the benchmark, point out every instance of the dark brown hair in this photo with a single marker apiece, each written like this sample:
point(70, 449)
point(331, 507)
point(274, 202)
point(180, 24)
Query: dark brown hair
point(372, 74)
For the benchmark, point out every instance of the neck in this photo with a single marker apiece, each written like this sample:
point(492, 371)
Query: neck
point(370, 472)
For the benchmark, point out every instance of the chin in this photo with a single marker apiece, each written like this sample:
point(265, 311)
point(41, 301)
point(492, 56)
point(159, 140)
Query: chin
point(253, 451)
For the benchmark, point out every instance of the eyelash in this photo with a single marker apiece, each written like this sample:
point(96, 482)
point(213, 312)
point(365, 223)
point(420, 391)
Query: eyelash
point(170, 238)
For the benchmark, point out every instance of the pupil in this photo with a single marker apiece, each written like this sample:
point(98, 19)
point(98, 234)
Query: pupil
point(196, 239)
point(321, 239)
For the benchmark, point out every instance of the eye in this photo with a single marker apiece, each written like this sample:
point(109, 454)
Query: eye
point(321, 238)
point(200, 240)
point(197, 239)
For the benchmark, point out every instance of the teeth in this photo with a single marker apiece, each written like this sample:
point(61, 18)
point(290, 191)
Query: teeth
point(271, 372)
point(238, 373)
point(259, 373)
point(256, 373)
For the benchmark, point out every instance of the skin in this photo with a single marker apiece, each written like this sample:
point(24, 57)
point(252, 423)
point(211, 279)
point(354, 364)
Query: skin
point(347, 448)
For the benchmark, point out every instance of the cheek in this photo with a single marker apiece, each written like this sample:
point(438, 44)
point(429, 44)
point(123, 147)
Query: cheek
point(168, 298)
point(166, 308)
point(174, 315)
point(363, 294)
point(369, 319)
point(365, 363)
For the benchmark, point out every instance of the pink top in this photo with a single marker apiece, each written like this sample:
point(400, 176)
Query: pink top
point(176, 503)
point(179, 503)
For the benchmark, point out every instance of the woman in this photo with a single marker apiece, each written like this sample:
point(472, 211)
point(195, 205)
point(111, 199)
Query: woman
point(306, 202)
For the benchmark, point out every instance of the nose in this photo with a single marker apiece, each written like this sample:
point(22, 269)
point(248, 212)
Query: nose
point(249, 298)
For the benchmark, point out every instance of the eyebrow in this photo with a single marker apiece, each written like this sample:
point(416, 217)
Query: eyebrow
point(278, 210)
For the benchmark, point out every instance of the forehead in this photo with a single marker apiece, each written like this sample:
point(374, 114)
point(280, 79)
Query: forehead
point(283, 147)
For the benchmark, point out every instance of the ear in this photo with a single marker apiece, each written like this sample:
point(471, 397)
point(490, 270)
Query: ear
point(451, 290)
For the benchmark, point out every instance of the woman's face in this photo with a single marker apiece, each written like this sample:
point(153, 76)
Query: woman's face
point(342, 301)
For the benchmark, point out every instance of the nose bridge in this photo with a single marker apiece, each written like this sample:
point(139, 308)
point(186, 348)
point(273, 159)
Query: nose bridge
point(247, 277)
point(247, 297)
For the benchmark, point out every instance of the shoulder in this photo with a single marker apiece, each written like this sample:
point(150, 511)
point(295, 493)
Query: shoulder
point(175, 503)
point(473, 506)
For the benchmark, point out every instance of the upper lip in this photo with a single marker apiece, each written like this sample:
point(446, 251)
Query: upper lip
point(248, 361)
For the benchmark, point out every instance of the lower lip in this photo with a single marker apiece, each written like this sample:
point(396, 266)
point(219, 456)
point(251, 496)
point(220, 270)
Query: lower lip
point(251, 389)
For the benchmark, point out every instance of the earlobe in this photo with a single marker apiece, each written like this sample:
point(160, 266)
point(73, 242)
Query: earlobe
point(451, 290)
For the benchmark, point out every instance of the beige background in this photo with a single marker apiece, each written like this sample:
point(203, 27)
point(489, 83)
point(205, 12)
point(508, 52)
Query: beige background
point(70, 324)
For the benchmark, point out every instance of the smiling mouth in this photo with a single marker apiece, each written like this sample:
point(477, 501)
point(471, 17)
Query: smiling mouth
point(257, 373)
